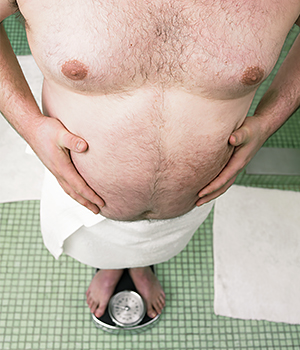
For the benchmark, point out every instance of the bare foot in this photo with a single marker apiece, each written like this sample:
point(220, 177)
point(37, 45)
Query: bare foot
point(149, 288)
point(101, 289)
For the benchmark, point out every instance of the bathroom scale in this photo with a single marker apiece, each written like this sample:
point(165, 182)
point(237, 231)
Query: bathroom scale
point(126, 310)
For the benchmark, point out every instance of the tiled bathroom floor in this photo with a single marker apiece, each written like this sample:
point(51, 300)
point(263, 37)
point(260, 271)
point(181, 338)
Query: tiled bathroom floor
point(43, 300)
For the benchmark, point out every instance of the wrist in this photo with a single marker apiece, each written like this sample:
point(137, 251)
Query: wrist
point(26, 123)
point(32, 130)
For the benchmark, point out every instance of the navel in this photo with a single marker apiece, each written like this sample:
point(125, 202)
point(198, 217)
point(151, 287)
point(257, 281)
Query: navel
point(252, 75)
point(74, 70)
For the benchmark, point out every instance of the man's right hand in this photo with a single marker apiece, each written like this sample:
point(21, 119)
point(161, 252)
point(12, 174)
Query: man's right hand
point(52, 143)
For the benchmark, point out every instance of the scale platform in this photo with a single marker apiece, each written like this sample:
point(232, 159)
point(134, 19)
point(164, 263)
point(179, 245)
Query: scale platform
point(106, 323)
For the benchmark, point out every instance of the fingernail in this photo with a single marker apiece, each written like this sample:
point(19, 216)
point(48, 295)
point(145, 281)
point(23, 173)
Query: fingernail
point(79, 145)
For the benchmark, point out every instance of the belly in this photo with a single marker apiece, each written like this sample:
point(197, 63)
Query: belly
point(150, 151)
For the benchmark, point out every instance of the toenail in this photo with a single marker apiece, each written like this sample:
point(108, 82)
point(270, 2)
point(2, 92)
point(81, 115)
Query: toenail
point(152, 314)
point(98, 314)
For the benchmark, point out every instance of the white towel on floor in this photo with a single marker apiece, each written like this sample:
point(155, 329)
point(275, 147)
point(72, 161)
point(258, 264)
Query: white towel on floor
point(257, 254)
point(99, 242)
point(21, 174)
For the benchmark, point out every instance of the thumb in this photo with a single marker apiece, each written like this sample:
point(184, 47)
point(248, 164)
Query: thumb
point(73, 143)
point(238, 137)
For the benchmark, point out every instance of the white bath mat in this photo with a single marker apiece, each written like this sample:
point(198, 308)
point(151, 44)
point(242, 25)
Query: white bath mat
point(257, 254)
point(21, 174)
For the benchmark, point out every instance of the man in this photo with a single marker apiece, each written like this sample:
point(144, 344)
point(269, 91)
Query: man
point(158, 93)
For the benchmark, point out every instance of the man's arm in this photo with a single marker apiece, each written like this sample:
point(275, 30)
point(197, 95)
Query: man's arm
point(280, 101)
point(47, 136)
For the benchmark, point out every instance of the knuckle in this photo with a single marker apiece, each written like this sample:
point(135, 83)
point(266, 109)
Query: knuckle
point(77, 192)
point(85, 202)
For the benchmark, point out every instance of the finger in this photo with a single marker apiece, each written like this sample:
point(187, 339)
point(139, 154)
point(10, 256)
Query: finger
point(233, 167)
point(226, 175)
point(78, 198)
point(215, 194)
point(72, 142)
point(239, 137)
point(83, 190)
point(78, 187)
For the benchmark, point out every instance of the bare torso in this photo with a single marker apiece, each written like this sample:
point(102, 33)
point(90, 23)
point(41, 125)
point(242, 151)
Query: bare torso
point(155, 88)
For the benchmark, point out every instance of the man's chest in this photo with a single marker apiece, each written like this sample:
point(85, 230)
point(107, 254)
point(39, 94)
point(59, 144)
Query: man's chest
point(113, 46)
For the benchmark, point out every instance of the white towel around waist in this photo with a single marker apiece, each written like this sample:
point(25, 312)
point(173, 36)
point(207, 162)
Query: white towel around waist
point(103, 243)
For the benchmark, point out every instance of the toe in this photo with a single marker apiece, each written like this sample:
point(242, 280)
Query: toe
point(151, 312)
point(157, 307)
point(99, 311)
point(89, 301)
point(162, 301)
point(159, 304)
point(92, 304)
point(94, 308)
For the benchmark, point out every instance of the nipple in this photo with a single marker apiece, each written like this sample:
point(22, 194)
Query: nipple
point(74, 70)
point(252, 75)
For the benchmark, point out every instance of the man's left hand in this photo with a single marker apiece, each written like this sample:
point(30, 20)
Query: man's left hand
point(247, 140)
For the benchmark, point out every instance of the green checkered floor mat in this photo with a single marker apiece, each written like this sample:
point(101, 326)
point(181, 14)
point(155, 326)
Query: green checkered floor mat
point(43, 300)
point(17, 35)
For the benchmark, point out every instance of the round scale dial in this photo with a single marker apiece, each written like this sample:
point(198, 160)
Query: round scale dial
point(126, 308)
